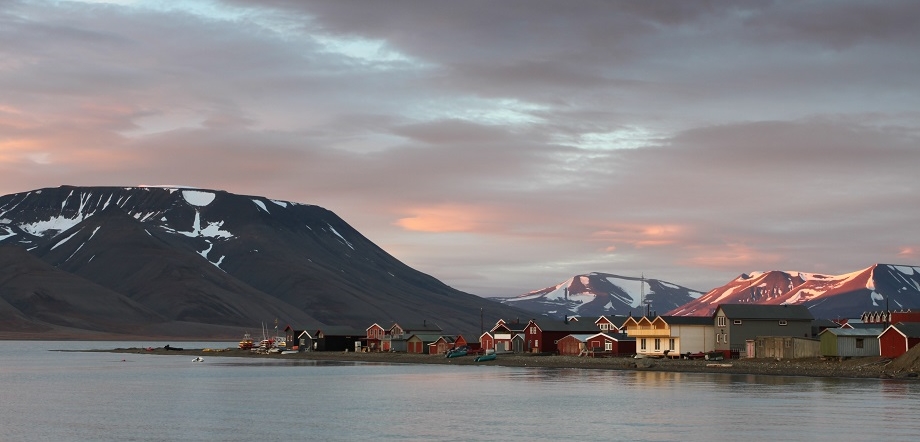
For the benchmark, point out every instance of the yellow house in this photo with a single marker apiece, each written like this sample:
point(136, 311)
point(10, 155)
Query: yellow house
point(671, 335)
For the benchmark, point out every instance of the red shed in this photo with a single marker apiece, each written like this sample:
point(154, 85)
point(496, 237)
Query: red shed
point(486, 342)
point(898, 338)
point(441, 345)
point(418, 343)
point(598, 344)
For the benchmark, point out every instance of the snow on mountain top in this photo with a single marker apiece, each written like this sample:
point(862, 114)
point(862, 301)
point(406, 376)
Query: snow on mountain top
point(198, 198)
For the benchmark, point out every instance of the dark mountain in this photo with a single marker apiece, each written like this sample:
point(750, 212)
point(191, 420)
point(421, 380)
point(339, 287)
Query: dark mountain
point(878, 287)
point(597, 294)
point(188, 257)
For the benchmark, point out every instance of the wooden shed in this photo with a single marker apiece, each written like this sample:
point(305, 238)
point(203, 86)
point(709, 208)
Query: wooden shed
point(441, 345)
point(598, 344)
point(898, 338)
point(786, 347)
point(418, 343)
point(850, 342)
point(486, 341)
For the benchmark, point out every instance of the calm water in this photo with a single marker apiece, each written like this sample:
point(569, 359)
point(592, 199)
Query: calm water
point(76, 396)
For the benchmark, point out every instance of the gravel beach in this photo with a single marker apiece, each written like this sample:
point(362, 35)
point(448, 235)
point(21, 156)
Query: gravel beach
point(906, 367)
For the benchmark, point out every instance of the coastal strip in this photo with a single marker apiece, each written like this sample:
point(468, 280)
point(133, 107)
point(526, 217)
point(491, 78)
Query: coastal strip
point(865, 367)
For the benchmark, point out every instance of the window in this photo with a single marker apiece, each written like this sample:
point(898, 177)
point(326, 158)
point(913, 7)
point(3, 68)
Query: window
point(642, 344)
point(721, 321)
point(736, 322)
point(533, 330)
point(603, 326)
point(859, 343)
point(671, 344)
point(608, 346)
point(657, 344)
point(783, 322)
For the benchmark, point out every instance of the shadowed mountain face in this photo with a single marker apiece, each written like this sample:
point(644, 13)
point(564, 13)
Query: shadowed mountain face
point(878, 287)
point(190, 256)
point(597, 294)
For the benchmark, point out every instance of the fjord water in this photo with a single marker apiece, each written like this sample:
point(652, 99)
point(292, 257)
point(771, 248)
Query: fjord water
point(50, 395)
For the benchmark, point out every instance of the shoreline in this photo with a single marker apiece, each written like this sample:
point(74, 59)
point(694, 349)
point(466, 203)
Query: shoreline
point(863, 367)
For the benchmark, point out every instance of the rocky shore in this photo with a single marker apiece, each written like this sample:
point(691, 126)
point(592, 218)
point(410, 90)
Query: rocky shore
point(906, 367)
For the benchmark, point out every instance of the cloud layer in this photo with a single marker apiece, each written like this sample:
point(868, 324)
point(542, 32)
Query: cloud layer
point(498, 146)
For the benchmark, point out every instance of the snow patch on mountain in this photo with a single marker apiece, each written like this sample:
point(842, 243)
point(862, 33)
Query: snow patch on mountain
point(340, 236)
point(261, 206)
point(198, 198)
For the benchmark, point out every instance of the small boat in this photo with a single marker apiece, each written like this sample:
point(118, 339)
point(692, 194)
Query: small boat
point(455, 353)
point(246, 342)
point(198, 359)
point(485, 357)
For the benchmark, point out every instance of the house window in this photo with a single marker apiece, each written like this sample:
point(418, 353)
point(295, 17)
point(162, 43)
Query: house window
point(657, 344)
point(721, 321)
point(536, 343)
point(736, 322)
point(671, 344)
point(533, 330)
point(608, 346)
point(642, 344)
point(783, 322)
point(859, 343)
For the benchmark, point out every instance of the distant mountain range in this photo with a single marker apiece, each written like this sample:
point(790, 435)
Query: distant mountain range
point(596, 294)
point(878, 287)
point(203, 263)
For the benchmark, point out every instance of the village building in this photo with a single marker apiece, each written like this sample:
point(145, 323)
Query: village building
point(418, 343)
point(542, 336)
point(441, 345)
point(671, 335)
point(783, 347)
point(598, 344)
point(610, 324)
point(502, 334)
point(736, 324)
point(888, 317)
point(338, 338)
point(898, 338)
point(374, 336)
point(396, 336)
point(850, 342)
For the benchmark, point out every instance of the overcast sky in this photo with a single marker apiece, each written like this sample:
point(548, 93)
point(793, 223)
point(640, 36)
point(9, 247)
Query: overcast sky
point(499, 146)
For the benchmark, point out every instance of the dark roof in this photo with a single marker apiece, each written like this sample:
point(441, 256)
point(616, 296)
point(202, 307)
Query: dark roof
point(426, 337)
point(909, 329)
point(426, 326)
point(686, 320)
point(759, 311)
point(616, 320)
point(341, 330)
point(570, 326)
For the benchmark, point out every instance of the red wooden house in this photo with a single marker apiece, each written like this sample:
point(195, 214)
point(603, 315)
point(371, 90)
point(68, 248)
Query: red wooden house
point(598, 344)
point(609, 324)
point(541, 336)
point(375, 334)
point(503, 333)
point(486, 341)
point(418, 343)
point(898, 338)
point(441, 345)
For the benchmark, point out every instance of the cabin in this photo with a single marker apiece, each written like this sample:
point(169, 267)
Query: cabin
point(598, 344)
point(784, 347)
point(395, 337)
point(339, 338)
point(542, 336)
point(898, 338)
point(418, 342)
point(610, 324)
point(291, 338)
point(373, 337)
point(735, 324)
point(441, 345)
point(670, 335)
point(850, 342)
point(305, 341)
point(486, 341)
point(503, 333)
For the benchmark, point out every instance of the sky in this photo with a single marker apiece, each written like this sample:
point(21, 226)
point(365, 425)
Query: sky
point(499, 146)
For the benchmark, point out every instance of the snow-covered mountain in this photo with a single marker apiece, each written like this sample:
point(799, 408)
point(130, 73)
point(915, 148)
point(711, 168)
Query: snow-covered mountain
point(878, 287)
point(162, 258)
point(596, 294)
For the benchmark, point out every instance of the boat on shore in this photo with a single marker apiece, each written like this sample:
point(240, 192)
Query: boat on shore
point(485, 357)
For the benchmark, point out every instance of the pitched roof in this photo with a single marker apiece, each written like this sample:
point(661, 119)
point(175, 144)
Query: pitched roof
point(908, 329)
point(570, 326)
point(341, 330)
point(860, 332)
point(687, 320)
point(759, 311)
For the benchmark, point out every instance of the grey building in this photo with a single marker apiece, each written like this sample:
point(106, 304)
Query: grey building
point(735, 324)
point(850, 342)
